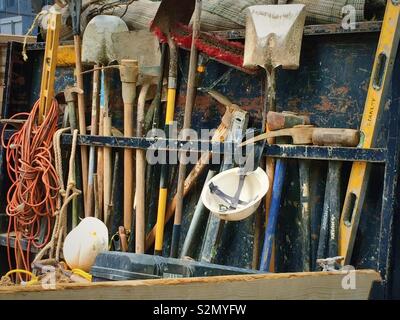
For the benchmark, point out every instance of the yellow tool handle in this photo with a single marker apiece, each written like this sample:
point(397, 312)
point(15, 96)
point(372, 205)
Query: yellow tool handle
point(49, 65)
point(163, 193)
point(380, 79)
point(171, 96)
point(162, 205)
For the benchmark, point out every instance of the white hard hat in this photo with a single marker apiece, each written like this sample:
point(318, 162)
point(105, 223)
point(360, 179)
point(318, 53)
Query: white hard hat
point(222, 187)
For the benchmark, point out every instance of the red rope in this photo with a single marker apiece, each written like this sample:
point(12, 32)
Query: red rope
point(33, 193)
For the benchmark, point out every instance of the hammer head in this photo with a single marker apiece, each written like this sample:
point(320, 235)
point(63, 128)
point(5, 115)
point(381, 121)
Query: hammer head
point(69, 93)
point(282, 120)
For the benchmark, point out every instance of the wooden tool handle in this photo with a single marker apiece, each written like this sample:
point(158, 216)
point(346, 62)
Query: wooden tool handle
point(107, 170)
point(92, 153)
point(336, 137)
point(129, 75)
point(299, 135)
point(123, 239)
point(128, 172)
point(140, 175)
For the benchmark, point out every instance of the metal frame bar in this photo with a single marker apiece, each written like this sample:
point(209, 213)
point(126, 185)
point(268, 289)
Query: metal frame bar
point(376, 155)
point(389, 199)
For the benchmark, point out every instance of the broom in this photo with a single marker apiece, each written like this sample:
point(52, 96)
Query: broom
point(226, 52)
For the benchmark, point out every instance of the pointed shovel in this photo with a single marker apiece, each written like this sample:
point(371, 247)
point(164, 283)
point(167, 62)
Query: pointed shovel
point(273, 38)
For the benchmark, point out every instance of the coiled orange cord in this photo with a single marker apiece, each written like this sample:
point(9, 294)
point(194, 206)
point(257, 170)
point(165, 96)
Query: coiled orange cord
point(33, 193)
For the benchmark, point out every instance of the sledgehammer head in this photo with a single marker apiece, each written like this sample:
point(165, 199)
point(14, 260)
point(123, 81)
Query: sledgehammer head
point(282, 120)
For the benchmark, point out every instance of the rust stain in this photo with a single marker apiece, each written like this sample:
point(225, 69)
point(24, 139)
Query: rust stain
point(293, 103)
point(341, 91)
point(325, 105)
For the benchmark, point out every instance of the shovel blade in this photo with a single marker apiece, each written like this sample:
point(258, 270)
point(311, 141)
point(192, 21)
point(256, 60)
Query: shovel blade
point(273, 35)
point(171, 12)
point(139, 45)
point(97, 44)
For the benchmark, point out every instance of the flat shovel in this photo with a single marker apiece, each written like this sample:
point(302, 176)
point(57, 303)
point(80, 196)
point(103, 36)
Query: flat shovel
point(143, 47)
point(97, 48)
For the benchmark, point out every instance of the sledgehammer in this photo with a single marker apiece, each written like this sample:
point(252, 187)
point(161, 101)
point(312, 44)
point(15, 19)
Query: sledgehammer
point(308, 134)
point(275, 121)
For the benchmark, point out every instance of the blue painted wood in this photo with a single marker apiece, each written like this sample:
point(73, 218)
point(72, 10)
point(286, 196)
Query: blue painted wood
point(279, 178)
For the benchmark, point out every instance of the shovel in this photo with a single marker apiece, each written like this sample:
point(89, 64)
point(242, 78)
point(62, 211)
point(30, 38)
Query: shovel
point(273, 38)
point(189, 104)
point(143, 47)
point(98, 48)
point(170, 12)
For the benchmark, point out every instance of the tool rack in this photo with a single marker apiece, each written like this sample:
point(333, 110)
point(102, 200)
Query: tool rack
point(386, 256)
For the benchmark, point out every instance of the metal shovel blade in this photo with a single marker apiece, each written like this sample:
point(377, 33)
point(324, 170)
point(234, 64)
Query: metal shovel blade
point(142, 46)
point(97, 44)
point(171, 12)
point(273, 35)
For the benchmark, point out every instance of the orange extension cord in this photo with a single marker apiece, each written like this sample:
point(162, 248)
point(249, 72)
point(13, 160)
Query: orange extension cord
point(35, 184)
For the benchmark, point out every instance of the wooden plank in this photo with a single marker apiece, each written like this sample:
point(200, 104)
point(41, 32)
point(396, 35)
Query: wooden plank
point(302, 286)
point(4, 38)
